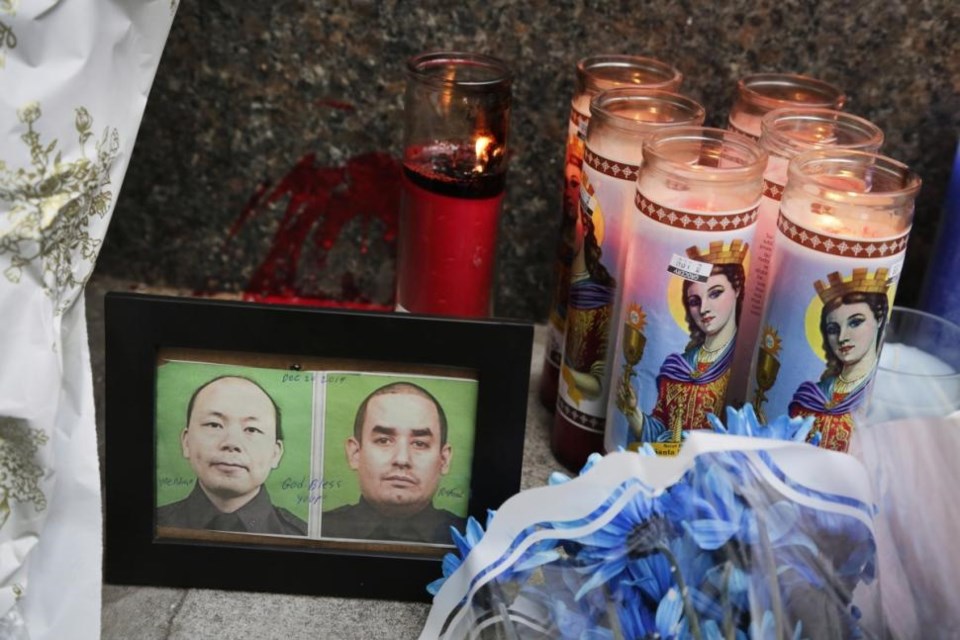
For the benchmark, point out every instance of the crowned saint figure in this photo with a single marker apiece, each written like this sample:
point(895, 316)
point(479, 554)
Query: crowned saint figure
point(591, 297)
point(693, 383)
point(851, 326)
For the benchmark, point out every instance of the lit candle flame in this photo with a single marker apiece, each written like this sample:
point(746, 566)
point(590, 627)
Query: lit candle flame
point(482, 147)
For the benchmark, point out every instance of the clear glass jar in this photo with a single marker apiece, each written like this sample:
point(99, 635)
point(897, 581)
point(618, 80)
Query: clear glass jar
point(844, 222)
point(761, 93)
point(594, 74)
point(786, 133)
point(696, 206)
point(457, 113)
point(622, 119)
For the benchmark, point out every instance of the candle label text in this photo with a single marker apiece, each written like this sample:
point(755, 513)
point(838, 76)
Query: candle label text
point(688, 269)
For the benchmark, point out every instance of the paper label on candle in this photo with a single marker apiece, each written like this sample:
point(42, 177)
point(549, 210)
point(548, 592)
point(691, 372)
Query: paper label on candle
point(576, 134)
point(606, 193)
point(758, 278)
point(822, 327)
point(677, 328)
point(579, 123)
point(689, 269)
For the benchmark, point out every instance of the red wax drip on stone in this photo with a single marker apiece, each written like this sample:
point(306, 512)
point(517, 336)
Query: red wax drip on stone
point(321, 201)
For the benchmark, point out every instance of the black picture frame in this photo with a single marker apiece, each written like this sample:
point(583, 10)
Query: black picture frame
point(139, 326)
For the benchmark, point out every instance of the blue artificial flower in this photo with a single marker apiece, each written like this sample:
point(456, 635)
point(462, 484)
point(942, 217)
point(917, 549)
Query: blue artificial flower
point(646, 450)
point(560, 478)
point(464, 542)
point(566, 617)
point(712, 631)
point(698, 559)
point(717, 511)
point(744, 422)
point(543, 552)
point(605, 552)
point(665, 621)
point(766, 628)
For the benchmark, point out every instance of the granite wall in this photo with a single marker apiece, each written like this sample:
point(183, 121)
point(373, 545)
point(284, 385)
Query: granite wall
point(247, 90)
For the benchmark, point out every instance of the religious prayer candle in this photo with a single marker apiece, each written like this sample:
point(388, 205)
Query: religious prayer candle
point(594, 74)
point(842, 232)
point(784, 134)
point(622, 119)
point(695, 209)
point(761, 93)
point(457, 109)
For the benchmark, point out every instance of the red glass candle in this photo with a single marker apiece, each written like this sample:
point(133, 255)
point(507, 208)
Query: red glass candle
point(455, 158)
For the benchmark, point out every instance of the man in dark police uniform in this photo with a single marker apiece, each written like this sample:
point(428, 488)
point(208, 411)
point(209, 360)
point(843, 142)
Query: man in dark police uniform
point(399, 450)
point(233, 439)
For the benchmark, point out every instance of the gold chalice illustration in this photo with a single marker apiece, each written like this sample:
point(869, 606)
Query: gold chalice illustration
point(768, 366)
point(633, 344)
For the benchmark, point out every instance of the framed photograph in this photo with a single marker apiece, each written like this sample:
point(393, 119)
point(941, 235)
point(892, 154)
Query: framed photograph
point(303, 450)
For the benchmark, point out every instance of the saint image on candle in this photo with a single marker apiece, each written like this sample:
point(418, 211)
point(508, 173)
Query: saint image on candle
point(591, 297)
point(851, 327)
point(693, 383)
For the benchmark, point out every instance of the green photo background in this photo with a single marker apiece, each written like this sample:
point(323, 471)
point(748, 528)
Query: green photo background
point(291, 390)
point(458, 397)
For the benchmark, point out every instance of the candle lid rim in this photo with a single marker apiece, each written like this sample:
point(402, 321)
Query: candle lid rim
point(754, 169)
point(599, 108)
point(873, 136)
point(588, 67)
point(749, 86)
point(418, 65)
point(911, 180)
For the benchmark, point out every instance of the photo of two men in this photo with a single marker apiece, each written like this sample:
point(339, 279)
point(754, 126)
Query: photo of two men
point(329, 455)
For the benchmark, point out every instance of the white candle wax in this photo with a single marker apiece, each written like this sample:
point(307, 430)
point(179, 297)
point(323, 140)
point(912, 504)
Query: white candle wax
point(912, 383)
point(840, 222)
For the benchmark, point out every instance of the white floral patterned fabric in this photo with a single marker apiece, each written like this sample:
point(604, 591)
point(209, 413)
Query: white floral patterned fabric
point(74, 79)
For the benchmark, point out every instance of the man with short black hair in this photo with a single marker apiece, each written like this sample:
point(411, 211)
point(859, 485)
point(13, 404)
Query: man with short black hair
point(399, 450)
point(233, 439)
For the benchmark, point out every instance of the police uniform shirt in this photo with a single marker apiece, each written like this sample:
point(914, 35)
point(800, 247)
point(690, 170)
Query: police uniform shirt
point(362, 521)
point(257, 516)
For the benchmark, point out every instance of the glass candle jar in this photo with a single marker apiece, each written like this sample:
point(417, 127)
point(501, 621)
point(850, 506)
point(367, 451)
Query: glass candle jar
point(842, 233)
point(457, 112)
point(761, 93)
point(696, 204)
point(594, 74)
point(622, 119)
point(786, 133)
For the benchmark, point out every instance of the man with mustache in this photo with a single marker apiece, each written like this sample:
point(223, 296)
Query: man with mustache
point(399, 450)
point(233, 439)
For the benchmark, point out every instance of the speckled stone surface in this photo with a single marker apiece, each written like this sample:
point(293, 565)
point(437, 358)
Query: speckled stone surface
point(245, 89)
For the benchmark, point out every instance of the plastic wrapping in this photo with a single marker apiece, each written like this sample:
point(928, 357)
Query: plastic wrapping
point(74, 78)
point(912, 464)
point(734, 538)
